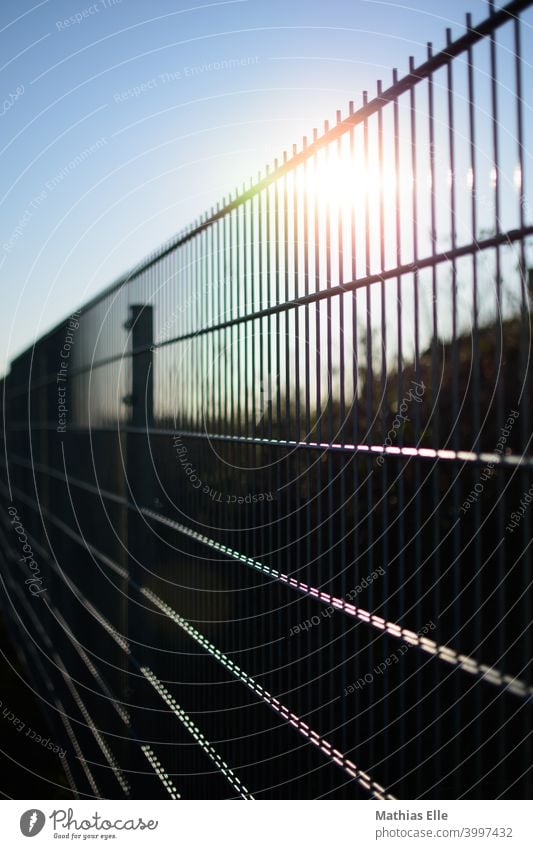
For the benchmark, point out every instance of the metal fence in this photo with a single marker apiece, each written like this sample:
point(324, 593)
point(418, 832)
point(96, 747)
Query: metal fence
point(266, 522)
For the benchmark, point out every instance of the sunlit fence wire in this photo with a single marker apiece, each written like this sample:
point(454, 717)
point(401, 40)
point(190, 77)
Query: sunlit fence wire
point(266, 517)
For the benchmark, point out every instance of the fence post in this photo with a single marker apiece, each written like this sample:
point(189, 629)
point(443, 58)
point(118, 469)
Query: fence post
point(140, 490)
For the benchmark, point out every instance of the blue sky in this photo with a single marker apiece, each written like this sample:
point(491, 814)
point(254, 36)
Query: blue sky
point(122, 121)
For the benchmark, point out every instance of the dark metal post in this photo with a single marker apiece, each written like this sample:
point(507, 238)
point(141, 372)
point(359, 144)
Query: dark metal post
point(140, 539)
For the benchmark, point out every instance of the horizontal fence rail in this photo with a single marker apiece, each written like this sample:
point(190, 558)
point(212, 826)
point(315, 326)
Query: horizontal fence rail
point(265, 526)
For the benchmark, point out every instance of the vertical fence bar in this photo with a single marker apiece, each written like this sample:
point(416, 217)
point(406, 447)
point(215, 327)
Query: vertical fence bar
point(231, 288)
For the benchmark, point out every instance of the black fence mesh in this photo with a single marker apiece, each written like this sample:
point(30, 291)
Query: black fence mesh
point(266, 523)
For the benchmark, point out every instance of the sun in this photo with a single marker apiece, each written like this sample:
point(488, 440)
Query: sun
point(343, 181)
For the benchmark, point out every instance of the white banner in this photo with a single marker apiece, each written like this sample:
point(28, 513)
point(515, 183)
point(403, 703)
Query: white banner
point(280, 824)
